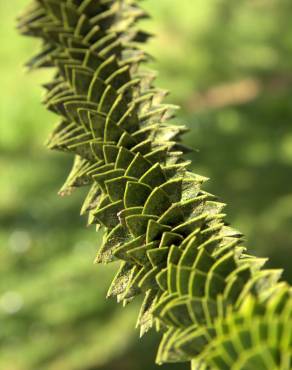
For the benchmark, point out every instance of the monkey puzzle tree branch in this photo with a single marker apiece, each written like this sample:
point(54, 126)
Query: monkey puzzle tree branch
point(212, 301)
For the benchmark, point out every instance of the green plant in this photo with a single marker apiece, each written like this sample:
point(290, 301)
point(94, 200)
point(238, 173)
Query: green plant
point(214, 303)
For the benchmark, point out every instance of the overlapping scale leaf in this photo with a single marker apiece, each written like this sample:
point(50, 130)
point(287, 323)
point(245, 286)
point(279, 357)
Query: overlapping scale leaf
point(257, 336)
point(169, 234)
point(201, 283)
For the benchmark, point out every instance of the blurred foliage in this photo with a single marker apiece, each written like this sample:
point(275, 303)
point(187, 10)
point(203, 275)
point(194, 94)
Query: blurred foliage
point(228, 65)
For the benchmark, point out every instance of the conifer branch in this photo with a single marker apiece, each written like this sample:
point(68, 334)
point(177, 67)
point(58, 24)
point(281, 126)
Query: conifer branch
point(215, 304)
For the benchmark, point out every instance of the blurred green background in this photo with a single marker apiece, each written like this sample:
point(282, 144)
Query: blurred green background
point(228, 64)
